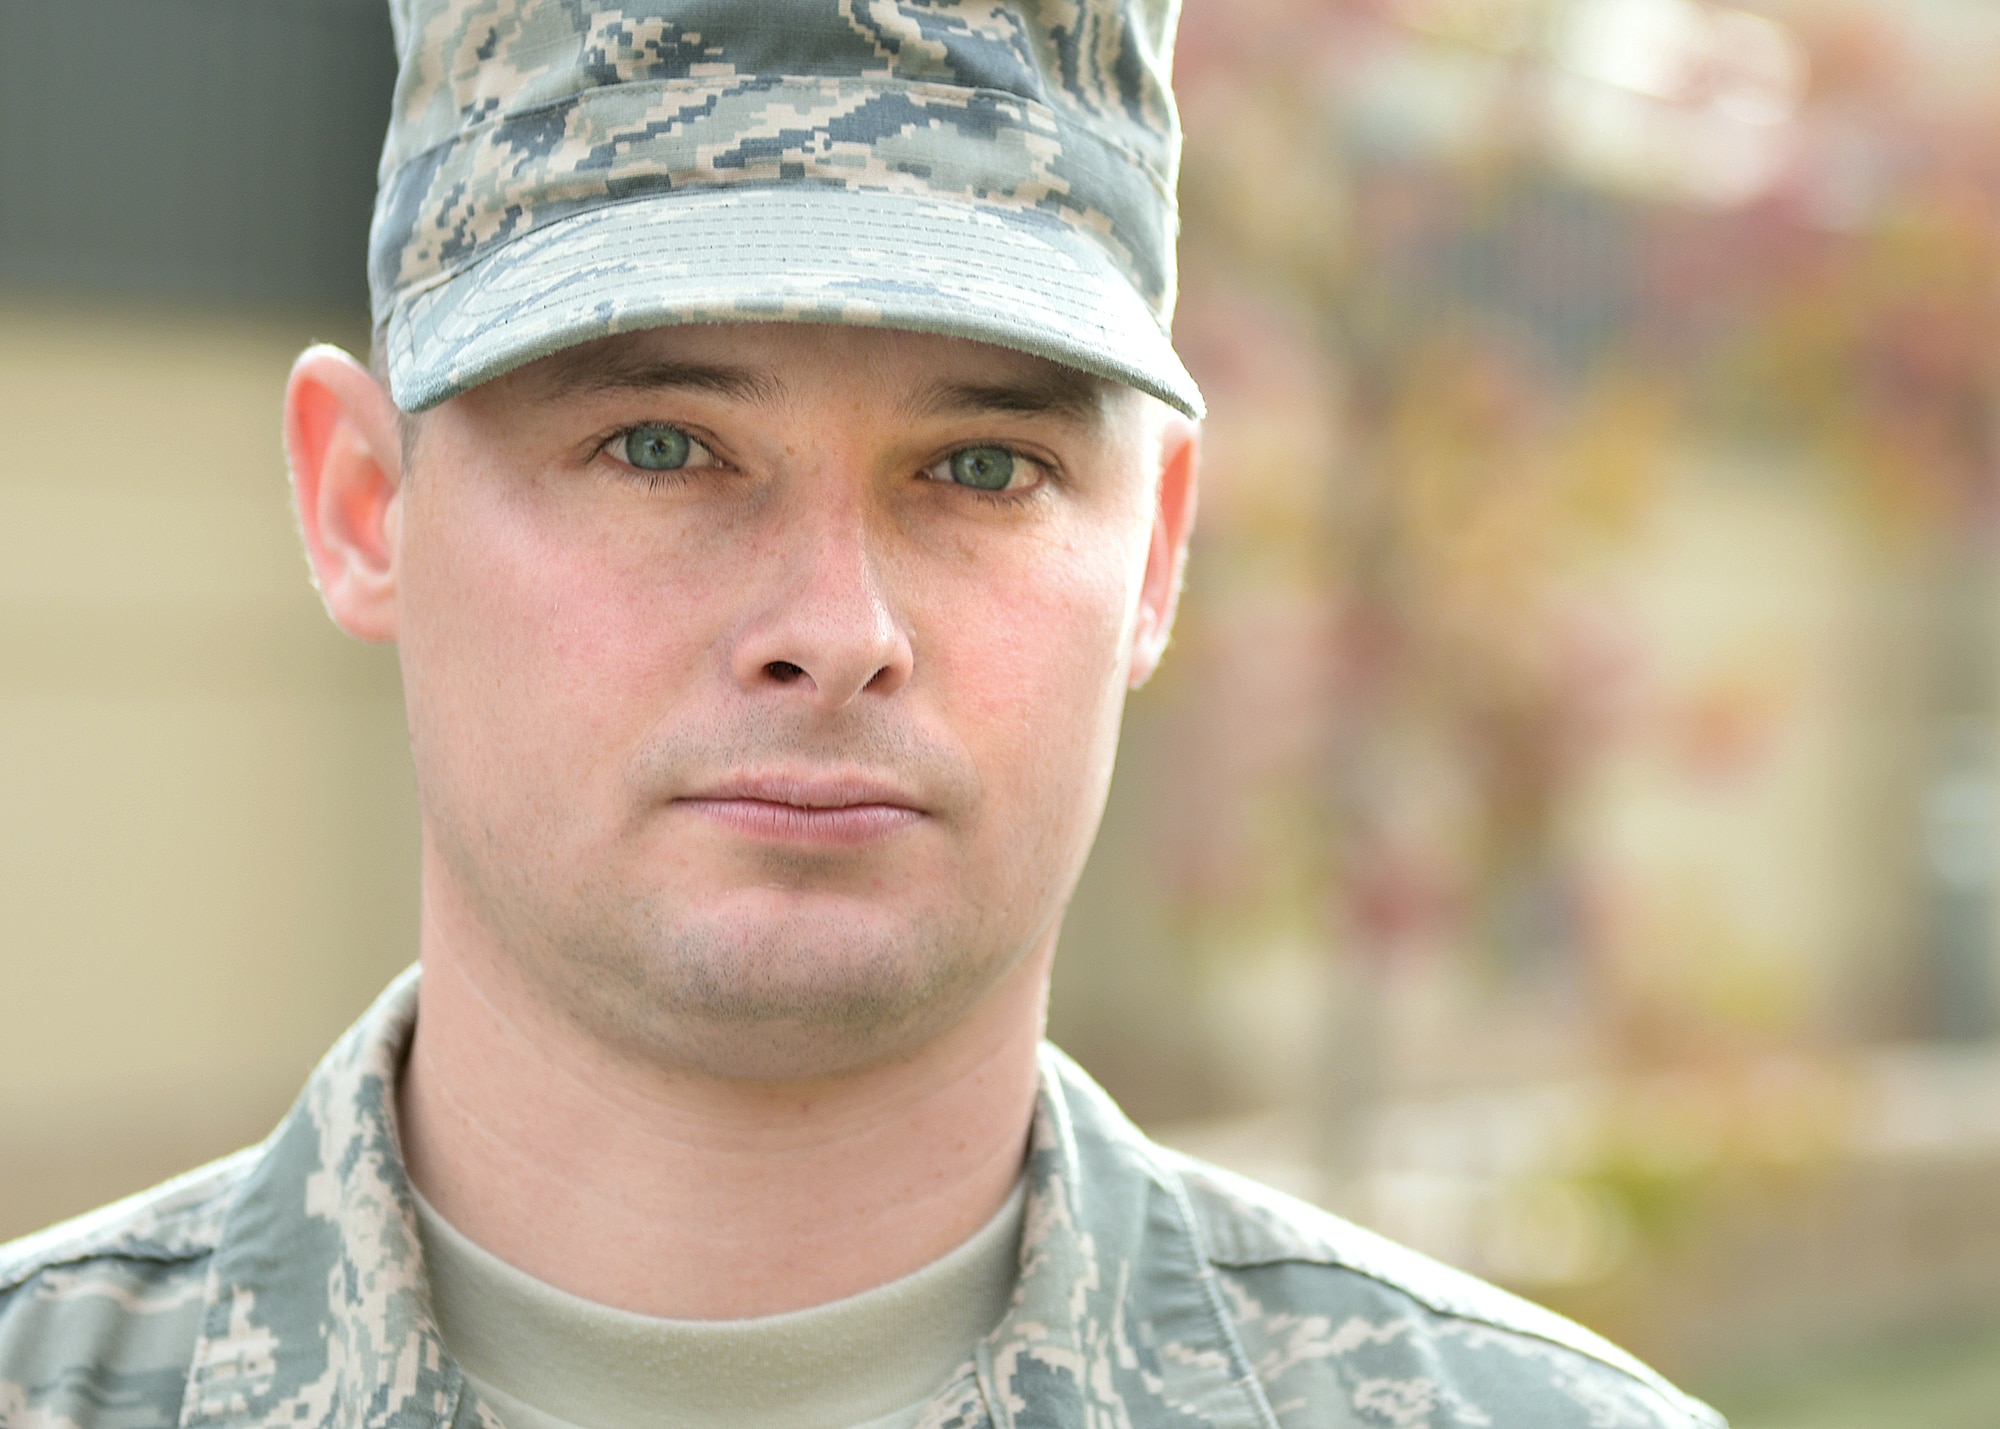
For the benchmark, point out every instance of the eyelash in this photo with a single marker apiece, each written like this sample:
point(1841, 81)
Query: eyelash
point(1003, 499)
point(656, 480)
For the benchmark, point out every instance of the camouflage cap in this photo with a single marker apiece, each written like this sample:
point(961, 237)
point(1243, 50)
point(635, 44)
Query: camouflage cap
point(559, 170)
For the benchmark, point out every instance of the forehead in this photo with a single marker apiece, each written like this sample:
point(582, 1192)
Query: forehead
point(911, 375)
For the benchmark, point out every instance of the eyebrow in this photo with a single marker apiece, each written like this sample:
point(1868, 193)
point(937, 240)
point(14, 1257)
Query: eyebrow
point(595, 374)
point(1072, 397)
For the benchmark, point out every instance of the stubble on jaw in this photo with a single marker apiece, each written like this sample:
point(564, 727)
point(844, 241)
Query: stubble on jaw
point(803, 996)
point(737, 991)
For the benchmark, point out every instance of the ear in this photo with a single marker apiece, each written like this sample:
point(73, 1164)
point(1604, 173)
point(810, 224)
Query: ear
point(1173, 523)
point(346, 450)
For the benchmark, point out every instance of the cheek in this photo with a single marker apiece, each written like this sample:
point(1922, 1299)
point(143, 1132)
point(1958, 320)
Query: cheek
point(1034, 665)
point(539, 645)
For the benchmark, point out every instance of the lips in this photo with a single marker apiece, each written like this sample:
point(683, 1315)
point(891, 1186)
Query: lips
point(845, 809)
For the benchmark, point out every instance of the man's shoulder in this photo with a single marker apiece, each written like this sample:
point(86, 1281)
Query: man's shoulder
point(1329, 1311)
point(102, 1312)
point(175, 1221)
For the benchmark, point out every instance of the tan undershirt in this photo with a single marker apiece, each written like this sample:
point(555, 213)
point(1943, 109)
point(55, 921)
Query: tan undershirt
point(545, 1359)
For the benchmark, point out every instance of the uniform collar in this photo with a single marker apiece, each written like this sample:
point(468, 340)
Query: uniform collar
point(317, 1312)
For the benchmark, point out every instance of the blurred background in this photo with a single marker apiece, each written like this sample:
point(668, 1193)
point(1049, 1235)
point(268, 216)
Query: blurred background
point(1566, 835)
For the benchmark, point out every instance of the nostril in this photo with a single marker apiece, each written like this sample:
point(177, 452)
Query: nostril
point(783, 671)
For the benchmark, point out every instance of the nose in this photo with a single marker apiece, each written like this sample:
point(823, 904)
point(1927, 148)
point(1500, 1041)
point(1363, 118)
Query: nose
point(826, 629)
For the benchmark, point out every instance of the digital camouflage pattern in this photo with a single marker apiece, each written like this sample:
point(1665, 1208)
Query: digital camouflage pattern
point(284, 1287)
point(557, 170)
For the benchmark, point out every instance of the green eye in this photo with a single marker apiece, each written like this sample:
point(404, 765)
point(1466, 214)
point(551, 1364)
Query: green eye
point(986, 468)
point(657, 448)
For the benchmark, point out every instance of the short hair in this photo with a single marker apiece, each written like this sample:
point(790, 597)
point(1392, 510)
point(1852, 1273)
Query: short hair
point(407, 423)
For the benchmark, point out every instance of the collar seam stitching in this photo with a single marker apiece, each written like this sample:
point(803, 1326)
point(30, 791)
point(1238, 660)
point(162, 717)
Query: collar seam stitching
point(1242, 1374)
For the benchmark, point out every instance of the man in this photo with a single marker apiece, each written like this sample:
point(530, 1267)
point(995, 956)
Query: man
point(776, 474)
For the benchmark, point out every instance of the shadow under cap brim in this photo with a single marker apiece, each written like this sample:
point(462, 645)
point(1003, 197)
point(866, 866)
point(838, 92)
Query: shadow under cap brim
point(1016, 278)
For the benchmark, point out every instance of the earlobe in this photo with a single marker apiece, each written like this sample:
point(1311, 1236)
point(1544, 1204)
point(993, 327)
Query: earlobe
point(345, 447)
point(1166, 560)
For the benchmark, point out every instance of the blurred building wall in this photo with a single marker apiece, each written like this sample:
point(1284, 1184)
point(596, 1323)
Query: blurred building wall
point(207, 832)
point(208, 854)
point(218, 150)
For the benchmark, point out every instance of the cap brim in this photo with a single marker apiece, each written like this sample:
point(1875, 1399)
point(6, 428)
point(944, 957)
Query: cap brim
point(1015, 278)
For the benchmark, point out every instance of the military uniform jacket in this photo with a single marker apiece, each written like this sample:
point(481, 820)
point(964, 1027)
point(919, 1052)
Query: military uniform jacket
point(284, 1286)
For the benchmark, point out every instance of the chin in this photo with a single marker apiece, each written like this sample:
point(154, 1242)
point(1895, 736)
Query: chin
point(778, 986)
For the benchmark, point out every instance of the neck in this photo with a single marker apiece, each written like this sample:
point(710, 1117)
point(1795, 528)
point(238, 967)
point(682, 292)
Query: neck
point(690, 1197)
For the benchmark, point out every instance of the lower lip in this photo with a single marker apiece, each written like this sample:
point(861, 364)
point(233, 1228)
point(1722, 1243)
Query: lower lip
point(790, 823)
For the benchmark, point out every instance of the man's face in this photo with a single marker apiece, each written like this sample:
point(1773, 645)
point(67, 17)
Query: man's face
point(765, 678)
